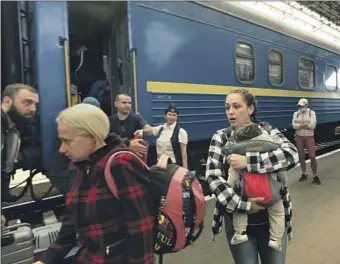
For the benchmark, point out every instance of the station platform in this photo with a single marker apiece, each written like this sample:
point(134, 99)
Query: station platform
point(316, 218)
point(316, 214)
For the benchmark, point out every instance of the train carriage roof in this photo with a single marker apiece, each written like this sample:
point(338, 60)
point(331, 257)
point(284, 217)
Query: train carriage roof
point(323, 33)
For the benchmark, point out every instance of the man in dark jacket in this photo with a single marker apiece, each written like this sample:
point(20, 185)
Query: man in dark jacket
point(18, 109)
point(124, 123)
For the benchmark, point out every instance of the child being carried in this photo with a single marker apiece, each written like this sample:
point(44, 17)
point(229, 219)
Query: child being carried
point(253, 138)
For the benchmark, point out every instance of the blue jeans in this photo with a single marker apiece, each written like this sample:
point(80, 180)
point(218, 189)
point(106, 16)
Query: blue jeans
point(257, 244)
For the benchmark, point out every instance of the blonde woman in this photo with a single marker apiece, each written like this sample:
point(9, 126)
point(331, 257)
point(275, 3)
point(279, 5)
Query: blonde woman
point(109, 230)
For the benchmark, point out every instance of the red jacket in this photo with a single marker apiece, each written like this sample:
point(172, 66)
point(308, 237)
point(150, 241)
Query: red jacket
point(110, 230)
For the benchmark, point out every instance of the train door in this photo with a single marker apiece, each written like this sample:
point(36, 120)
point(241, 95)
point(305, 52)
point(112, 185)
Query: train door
point(120, 69)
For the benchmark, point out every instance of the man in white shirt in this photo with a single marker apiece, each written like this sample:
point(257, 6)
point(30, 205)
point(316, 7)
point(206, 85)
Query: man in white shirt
point(171, 139)
point(304, 123)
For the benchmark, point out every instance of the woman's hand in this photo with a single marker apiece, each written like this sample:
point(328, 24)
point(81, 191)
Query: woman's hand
point(254, 206)
point(138, 133)
point(237, 161)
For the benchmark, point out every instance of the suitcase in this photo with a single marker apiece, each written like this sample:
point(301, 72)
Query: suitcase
point(17, 244)
point(44, 236)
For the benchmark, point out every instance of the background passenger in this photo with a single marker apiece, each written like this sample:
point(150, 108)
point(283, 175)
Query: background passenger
point(91, 101)
point(171, 139)
point(304, 123)
point(110, 231)
point(241, 109)
point(88, 72)
point(124, 123)
point(18, 111)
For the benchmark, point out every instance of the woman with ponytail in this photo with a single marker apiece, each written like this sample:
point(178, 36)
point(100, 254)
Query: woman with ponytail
point(241, 109)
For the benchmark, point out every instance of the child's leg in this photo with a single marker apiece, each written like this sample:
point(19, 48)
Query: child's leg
point(276, 220)
point(232, 177)
point(277, 224)
point(240, 222)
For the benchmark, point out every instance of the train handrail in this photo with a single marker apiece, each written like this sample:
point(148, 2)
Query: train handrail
point(134, 72)
point(67, 72)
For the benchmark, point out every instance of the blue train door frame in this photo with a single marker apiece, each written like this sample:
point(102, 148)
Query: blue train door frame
point(132, 52)
point(137, 88)
point(119, 62)
point(50, 26)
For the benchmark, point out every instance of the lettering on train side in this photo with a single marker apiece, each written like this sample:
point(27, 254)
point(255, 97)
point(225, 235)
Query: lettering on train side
point(164, 97)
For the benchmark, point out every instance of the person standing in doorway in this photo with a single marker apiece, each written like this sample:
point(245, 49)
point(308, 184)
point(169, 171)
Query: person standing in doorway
point(304, 123)
point(124, 123)
point(172, 140)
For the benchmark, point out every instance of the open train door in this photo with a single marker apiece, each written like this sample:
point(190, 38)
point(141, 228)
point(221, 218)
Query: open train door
point(49, 27)
point(120, 56)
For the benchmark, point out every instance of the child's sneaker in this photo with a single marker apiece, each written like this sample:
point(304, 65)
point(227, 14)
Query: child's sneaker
point(275, 244)
point(239, 238)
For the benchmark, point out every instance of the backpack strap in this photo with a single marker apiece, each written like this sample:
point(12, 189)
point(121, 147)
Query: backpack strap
point(228, 131)
point(162, 163)
point(107, 171)
point(160, 131)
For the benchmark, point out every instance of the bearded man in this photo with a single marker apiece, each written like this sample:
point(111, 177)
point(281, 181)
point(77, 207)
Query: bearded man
point(18, 109)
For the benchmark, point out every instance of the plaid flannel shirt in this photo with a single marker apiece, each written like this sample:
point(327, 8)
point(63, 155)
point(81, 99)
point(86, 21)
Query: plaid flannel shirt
point(227, 200)
point(109, 230)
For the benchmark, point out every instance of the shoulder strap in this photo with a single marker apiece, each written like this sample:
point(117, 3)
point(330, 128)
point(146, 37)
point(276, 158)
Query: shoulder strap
point(176, 131)
point(162, 163)
point(160, 131)
point(228, 131)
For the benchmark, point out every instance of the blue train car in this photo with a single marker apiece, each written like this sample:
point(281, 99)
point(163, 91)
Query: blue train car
point(185, 53)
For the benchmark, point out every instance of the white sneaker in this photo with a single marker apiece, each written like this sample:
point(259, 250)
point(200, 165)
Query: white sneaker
point(238, 238)
point(275, 244)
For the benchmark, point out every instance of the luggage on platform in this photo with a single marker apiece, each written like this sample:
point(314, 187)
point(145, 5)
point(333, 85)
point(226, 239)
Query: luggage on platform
point(17, 244)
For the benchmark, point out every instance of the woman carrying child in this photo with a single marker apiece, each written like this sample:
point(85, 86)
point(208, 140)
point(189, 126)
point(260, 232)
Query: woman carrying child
point(240, 110)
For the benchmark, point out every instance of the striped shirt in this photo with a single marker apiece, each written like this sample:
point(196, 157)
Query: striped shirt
point(228, 200)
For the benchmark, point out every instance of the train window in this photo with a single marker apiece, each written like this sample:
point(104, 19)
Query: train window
point(330, 78)
point(245, 62)
point(275, 68)
point(306, 73)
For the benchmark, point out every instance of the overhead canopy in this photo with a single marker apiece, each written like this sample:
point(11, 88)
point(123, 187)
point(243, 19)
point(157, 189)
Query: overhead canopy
point(315, 19)
point(327, 9)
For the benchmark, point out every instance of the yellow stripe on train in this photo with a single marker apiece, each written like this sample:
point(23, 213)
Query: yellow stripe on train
point(192, 88)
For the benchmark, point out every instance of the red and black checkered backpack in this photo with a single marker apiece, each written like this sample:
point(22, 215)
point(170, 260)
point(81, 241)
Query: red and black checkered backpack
point(179, 202)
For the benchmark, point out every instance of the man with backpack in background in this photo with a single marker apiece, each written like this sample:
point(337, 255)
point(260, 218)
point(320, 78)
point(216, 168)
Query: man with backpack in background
point(304, 123)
